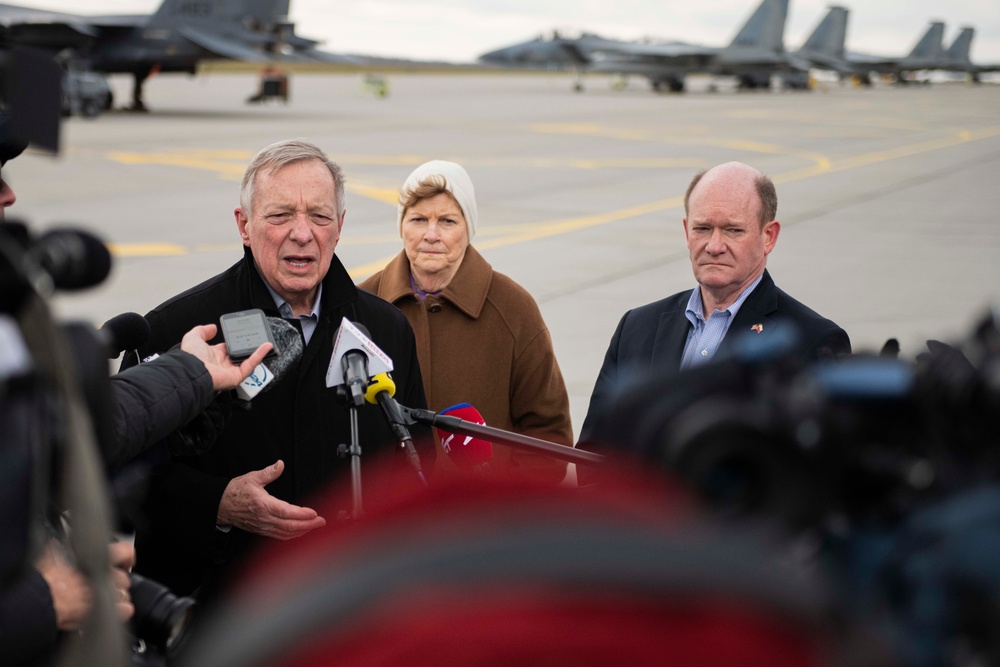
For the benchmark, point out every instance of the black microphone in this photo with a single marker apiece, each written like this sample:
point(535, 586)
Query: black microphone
point(73, 258)
point(355, 358)
point(381, 390)
point(128, 331)
point(355, 366)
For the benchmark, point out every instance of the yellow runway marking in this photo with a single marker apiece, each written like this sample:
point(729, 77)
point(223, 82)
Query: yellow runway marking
point(887, 123)
point(146, 249)
point(541, 230)
point(497, 237)
point(821, 161)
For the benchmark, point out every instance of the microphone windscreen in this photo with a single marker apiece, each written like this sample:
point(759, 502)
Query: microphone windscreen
point(73, 258)
point(377, 384)
point(466, 452)
point(128, 331)
point(288, 343)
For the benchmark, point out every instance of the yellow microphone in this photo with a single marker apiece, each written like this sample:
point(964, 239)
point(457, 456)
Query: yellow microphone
point(378, 384)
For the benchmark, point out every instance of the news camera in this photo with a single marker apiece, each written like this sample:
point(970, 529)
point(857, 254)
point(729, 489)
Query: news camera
point(55, 395)
point(880, 470)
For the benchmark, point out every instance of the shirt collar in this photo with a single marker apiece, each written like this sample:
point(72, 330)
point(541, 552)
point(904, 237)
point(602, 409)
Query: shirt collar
point(696, 308)
point(285, 308)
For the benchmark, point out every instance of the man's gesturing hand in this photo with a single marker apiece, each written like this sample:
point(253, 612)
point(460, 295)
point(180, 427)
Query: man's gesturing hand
point(225, 374)
point(246, 505)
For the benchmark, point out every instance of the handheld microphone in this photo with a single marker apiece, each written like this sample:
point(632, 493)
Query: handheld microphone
point(128, 331)
point(381, 390)
point(289, 346)
point(355, 358)
point(466, 452)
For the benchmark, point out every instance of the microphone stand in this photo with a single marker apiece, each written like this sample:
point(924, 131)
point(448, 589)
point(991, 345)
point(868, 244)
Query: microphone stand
point(499, 436)
point(354, 451)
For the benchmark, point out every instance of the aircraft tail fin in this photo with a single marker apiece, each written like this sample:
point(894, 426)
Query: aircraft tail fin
point(929, 46)
point(830, 35)
point(959, 51)
point(765, 28)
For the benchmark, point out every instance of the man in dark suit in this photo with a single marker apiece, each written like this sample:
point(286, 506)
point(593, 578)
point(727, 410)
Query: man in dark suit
point(730, 230)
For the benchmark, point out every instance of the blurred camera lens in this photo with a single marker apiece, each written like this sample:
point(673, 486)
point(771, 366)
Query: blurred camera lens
point(161, 618)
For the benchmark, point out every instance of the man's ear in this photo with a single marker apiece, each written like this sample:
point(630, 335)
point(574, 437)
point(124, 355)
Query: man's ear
point(241, 224)
point(770, 232)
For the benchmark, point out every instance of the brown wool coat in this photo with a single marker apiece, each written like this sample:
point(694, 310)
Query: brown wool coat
point(482, 341)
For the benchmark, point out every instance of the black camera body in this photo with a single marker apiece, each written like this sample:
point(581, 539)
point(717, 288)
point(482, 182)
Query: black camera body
point(161, 618)
point(885, 473)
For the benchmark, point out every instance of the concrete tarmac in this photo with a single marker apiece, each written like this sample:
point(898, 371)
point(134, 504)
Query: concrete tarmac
point(888, 198)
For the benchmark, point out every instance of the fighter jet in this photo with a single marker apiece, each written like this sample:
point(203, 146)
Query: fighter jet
point(175, 38)
point(555, 52)
point(957, 58)
point(753, 55)
point(927, 54)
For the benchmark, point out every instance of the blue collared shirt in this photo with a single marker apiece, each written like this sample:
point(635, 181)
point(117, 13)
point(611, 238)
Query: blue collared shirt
point(308, 322)
point(705, 336)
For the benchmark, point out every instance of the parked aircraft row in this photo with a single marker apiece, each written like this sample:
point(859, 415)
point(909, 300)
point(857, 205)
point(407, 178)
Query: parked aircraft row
point(755, 55)
point(172, 39)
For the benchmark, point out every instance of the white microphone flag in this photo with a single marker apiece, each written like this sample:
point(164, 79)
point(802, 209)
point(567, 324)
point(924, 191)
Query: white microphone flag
point(349, 337)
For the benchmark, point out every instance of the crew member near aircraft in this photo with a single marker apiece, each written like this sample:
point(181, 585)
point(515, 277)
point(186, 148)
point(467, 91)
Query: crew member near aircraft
point(206, 511)
point(730, 230)
point(480, 336)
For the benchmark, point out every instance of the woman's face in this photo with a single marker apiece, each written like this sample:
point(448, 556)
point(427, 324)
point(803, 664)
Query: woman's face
point(435, 237)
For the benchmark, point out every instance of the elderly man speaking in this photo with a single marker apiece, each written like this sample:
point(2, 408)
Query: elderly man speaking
point(205, 511)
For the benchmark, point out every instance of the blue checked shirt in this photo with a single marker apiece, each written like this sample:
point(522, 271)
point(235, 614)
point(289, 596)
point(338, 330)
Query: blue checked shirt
point(706, 336)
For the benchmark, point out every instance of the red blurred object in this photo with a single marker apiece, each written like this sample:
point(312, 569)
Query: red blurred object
point(482, 573)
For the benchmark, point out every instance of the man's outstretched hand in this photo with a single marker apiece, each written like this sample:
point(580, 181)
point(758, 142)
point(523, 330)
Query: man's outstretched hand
point(246, 505)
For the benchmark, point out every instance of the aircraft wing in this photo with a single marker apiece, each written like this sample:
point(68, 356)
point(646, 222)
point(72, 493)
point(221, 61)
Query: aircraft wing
point(255, 48)
point(222, 47)
point(669, 51)
point(653, 59)
point(871, 61)
point(33, 27)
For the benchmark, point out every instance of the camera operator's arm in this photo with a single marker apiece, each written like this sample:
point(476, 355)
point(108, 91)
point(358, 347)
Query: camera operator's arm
point(28, 627)
point(156, 398)
point(54, 597)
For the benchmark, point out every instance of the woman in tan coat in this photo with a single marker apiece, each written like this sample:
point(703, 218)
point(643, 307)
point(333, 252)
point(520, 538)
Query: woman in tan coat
point(480, 335)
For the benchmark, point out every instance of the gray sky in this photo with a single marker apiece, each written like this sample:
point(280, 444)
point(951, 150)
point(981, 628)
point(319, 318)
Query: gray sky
point(459, 30)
